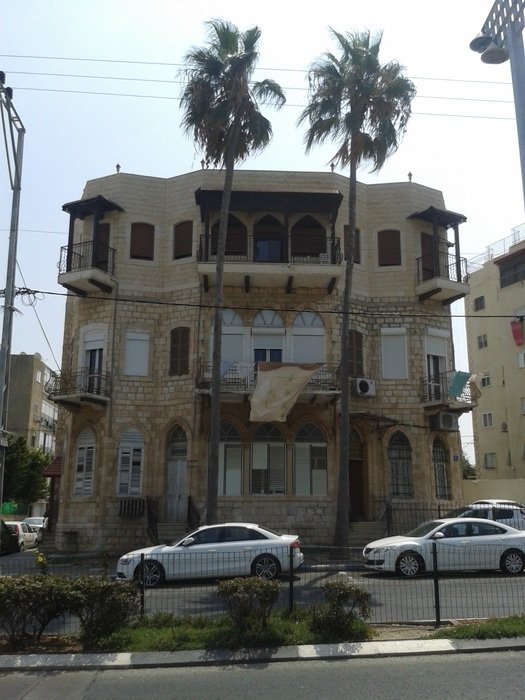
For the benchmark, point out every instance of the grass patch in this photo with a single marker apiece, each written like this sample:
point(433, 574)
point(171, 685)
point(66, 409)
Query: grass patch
point(493, 628)
point(168, 633)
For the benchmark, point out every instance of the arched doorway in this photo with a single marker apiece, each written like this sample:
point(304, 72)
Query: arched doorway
point(176, 476)
point(356, 476)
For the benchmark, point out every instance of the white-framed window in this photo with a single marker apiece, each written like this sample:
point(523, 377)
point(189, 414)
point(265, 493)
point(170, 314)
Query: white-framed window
point(136, 353)
point(130, 463)
point(482, 341)
point(479, 303)
point(310, 462)
point(521, 360)
point(489, 460)
point(84, 464)
point(268, 467)
point(38, 377)
point(230, 461)
point(394, 362)
point(268, 335)
point(485, 379)
point(487, 420)
point(308, 338)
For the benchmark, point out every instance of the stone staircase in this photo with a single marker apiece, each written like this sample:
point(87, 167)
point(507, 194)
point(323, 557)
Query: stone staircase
point(363, 532)
point(171, 532)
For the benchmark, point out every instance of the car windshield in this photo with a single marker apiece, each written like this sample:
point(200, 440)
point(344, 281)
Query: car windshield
point(424, 528)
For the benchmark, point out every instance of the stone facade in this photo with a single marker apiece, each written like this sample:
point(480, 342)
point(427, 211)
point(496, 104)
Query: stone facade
point(159, 416)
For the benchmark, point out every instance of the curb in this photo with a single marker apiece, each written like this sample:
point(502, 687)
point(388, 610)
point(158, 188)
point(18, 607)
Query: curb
point(326, 652)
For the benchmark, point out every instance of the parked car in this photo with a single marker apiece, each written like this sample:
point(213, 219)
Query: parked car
point(8, 539)
point(25, 534)
point(38, 524)
point(506, 512)
point(214, 551)
point(463, 544)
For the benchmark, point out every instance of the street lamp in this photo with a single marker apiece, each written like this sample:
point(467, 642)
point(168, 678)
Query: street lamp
point(13, 131)
point(499, 40)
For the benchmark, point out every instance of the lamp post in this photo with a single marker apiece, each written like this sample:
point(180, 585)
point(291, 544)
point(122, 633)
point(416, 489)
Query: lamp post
point(13, 131)
point(499, 40)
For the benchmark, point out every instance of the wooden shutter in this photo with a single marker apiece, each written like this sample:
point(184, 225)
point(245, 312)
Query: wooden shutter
point(389, 248)
point(179, 351)
point(182, 240)
point(142, 241)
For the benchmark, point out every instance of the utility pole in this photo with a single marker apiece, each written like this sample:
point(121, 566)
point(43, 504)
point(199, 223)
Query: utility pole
point(13, 131)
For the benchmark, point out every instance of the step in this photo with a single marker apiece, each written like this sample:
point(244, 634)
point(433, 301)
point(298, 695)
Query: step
point(171, 532)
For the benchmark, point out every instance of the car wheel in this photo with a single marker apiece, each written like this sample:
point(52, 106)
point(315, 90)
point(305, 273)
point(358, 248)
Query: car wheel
point(266, 566)
point(154, 574)
point(21, 547)
point(512, 562)
point(409, 564)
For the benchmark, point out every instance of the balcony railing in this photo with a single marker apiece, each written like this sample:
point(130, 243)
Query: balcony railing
point(251, 250)
point(450, 267)
point(450, 388)
point(85, 256)
point(80, 383)
point(241, 377)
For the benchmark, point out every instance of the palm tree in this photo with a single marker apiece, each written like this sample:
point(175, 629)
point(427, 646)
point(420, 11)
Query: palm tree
point(221, 112)
point(364, 106)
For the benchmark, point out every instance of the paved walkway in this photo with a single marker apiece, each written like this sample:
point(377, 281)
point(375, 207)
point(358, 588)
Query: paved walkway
point(348, 650)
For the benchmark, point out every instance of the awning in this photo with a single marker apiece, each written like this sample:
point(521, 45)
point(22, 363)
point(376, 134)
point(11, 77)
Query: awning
point(277, 389)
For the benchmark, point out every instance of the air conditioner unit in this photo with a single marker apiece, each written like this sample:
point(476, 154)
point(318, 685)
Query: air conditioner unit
point(444, 421)
point(363, 387)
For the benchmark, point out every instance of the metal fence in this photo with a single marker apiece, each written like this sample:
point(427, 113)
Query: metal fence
point(433, 597)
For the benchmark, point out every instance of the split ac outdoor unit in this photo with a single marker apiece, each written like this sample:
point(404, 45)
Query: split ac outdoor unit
point(363, 387)
point(444, 421)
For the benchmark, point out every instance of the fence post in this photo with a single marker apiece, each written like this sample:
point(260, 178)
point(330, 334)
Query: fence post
point(435, 576)
point(290, 581)
point(142, 585)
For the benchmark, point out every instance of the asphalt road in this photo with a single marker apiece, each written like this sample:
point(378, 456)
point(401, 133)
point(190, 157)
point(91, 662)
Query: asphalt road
point(457, 677)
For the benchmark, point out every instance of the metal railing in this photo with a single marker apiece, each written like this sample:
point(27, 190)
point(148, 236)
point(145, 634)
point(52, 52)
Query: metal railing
point(246, 250)
point(85, 256)
point(450, 267)
point(242, 377)
point(80, 382)
point(443, 388)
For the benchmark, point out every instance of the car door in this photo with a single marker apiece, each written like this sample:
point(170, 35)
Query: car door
point(236, 550)
point(455, 551)
point(200, 557)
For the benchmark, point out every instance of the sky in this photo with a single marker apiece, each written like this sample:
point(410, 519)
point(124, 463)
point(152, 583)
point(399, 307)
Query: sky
point(97, 82)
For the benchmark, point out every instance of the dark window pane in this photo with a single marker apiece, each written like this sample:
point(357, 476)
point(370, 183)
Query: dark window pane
point(182, 240)
point(179, 351)
point(389, 248)
point(142, 243)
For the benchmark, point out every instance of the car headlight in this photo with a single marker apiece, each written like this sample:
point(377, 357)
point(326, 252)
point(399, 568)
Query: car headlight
point(125, 561)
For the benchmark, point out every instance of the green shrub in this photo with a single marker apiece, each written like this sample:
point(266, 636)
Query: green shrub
point(249, 601)
point(28, 604)
point(102, 606)
point(345, 611)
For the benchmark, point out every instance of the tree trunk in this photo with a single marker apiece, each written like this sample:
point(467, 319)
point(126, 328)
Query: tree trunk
point(342, 522)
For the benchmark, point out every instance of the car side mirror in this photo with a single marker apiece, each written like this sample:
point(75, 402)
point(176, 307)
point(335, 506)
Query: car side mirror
point(438, 536)
point(188, 541)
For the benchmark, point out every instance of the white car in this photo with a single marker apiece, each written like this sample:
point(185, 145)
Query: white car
point(27, 537)
point(214, 551)
point(462, 544)
point(505, 512)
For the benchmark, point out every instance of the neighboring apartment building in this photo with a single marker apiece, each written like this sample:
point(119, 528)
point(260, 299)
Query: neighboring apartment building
point(495, 311)
point(135, 386)
point(30, 412)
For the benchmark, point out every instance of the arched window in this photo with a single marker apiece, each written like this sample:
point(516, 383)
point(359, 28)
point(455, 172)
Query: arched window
point(269, 238)
point(400, 459)
point(85, 463)
point(142, 241)
point(268, 468)
point(440, 462)
point(308, 337)
point(130, 463)
point(308, 238)
point(268, 336)
point(230, 461)
point(236, 237)
point(310, 462)
point(182, 240)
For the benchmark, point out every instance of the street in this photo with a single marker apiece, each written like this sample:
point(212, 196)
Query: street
point(458, 676)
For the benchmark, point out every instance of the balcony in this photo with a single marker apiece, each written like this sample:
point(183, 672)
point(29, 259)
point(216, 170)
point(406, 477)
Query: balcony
point(443, 279)
point(82, 386)
point(239, 378)
point(449, 390)
point(266, 263)
point(85, 268)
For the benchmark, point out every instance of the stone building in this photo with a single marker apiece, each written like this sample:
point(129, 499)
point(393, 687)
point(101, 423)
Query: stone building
point(135, 385)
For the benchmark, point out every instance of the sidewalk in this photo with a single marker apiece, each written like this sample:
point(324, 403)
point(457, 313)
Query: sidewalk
point(348, 650)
